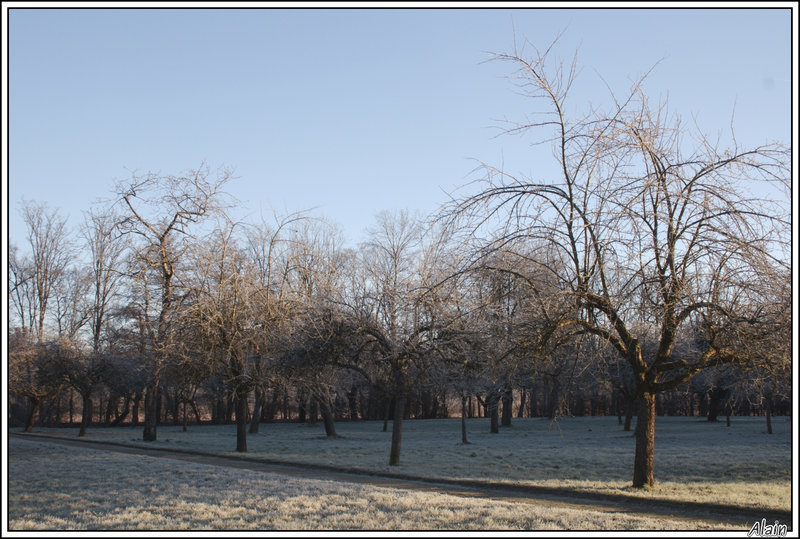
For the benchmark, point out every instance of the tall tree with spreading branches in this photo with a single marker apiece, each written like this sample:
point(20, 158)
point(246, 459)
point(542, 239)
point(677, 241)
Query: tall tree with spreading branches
point(160, 210)
point(651, 227)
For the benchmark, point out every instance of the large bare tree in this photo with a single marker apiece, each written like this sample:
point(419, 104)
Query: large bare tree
point(651, 228)
point(160, 211)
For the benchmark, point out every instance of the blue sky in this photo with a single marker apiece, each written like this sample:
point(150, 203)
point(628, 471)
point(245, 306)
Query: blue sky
point(350, 111)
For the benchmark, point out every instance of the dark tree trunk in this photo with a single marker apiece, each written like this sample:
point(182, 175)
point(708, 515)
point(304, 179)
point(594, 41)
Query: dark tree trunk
point(629, 405)
point(327, 417)
point(241, 421)
point(397, 429)
point(352, 402)
point(71, 406)
point(313, 412)
point(768, 412)
point(111, 407)
point(126, 409)
point(135, 417)
point(257, 407)
point(386, 413)
point(492, 401)
point(553, 400)
point(643, 464)
point(86, 415)
point(716, 399)
point(464, 405)
point(508, 399)
point(522, 402)
point(196, 412)
point(150, 413)
point(33, 413)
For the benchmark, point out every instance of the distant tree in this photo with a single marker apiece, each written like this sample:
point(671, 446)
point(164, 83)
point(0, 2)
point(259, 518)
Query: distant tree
point(650, 226)
point(35, 279)
point(72, 309)
point(107, 249)
point(82, 370)
point(32, 371)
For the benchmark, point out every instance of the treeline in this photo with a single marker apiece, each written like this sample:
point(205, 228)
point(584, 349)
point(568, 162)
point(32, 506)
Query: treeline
point(641, 276)
point(64, 409)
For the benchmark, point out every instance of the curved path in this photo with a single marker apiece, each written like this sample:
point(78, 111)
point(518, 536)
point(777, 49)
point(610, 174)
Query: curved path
point(723, 514)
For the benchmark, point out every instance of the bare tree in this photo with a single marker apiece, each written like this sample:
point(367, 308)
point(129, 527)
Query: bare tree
point(268, 248)
point(223, 310)
point(32, 372)
point(72, 310)
point(107, 250)
point(651, 228)
point(21, 289)
point(50, 248)
point(159, 211)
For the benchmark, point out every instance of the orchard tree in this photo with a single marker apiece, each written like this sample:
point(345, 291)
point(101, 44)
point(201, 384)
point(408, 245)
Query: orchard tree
point(401, 307)
point(159, 212)
point(268, 248)
point(33, 371)
point(651, 227)
point(223, 308)
point(387, 321)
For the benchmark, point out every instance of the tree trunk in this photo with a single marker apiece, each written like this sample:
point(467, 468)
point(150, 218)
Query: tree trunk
point(716, 399)
point(464, 419)
point(126, 409)
point(508, 399)
point(629, 403)
point(301, 407)
point(768, 412)
point(643, 465)
point(492, 401)
point(397, 429)
point(313, 412)
point(135, 413)
point(33, 414)
point(257, 407)
point(352, 403)
point(86, 415)
point(241, 421)
point(327, 417)
point(196, 412)
point(522, 402)
point(150, 413)
point(111, 407)
point(386, 412)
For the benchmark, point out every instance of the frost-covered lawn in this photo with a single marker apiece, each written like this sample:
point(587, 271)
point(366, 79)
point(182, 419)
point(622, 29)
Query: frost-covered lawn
point(56, 487)
point(695, 460)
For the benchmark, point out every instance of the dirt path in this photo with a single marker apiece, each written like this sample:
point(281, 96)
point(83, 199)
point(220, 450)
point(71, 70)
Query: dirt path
point(539, 496)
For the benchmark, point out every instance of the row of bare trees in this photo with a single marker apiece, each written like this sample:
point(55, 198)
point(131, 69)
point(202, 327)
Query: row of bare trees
point(642, 262)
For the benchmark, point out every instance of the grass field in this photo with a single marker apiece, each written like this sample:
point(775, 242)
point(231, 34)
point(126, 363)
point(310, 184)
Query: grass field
point(695, 461)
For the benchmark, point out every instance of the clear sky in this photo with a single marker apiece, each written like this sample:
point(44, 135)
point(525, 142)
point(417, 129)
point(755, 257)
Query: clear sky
point(350, 111)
